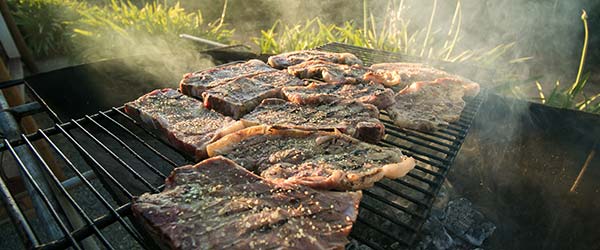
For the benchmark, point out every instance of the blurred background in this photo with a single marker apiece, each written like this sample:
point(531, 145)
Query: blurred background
point(534, 43)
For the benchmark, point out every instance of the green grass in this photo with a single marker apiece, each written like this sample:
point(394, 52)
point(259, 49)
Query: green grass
point(391, 33)
point(113, 29)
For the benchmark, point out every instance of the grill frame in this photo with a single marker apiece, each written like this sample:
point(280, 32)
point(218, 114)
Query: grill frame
point(410, 198)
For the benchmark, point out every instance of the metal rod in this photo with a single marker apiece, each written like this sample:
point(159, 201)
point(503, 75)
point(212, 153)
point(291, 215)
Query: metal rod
point(25, 109)
point(150, 166)
point(93, 189)
point(39, 99)
point(135, 174)
point(10, 129)
point(25, 232)
point(41, 194)
point(89, 243)
point(370, 194)
point(202, 40)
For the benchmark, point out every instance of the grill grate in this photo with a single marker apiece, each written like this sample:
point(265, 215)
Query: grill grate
point(128, 161)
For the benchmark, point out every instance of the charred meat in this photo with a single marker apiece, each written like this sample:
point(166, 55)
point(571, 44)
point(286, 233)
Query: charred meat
point(370, 93)
point(194, 84)
point(217, 204)
point(322, 160)
point(350, 117)
point(241, 95)
point(180, 120)
point(285, 60)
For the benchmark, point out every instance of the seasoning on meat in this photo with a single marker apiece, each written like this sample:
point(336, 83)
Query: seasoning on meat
point(348, 116)
point(429, 105)
point(400, 75)
point(217, 204)
point(285, 60)
point(323, 160)
point(241, 95)
point(181, 121)
point(370, 93)
point(194, 84)
point(329, 72)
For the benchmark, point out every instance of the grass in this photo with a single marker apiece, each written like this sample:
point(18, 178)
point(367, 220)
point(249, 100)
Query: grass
point(114, 29)
point(573, 96)
point(390, 33)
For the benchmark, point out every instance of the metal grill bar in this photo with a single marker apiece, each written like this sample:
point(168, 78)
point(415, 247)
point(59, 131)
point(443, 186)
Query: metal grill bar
point(43, 196)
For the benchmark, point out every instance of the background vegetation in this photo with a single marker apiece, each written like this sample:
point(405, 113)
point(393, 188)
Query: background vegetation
point(87, 30)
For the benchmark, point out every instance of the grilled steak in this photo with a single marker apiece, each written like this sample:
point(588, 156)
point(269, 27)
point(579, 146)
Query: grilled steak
point(241, 95)
point(285, 60)
point(350, 117)
point(217, 204)
point(370, 93)
point(329, 72)
point(428, 105)
point(180, 120)
point(400, 75)
point(194, 84)
point(317, 159)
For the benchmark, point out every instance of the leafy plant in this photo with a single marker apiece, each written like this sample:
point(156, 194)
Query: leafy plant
point(392, 33)
point(573, 96)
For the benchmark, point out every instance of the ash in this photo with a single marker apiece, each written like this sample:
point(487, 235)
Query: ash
point(454, 224)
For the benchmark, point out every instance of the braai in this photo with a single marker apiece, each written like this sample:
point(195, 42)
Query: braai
point(350, 117)
point(241, 95)
point(329, 72)
point(196, 83)
point(323, 160)
point(428, 105)
point(180, 120)
point(285, 60)
point(370, 93)
point(217, 204)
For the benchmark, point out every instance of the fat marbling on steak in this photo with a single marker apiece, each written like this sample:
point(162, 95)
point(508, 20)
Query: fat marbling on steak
point(428, 105)
point(323, 160)
point(285, 60)
point(180, 120)
point(329, 72)
point(371, 93)
point(217, 204)
point(241, 95)
point(194, 84)
point(400, 75)
point(348, 116)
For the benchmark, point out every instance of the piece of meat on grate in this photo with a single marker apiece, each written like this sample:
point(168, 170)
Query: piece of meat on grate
point(285, 60)
point(323, 160)
point(329, 72)
point(370, 93)
point(428, 105)
point(194, 84)
point(181, 121)
point(400, 75)
point(348, 116)
point(241, 95)
point(217, 204)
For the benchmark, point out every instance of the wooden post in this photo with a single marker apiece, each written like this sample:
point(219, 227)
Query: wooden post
point(26, 55)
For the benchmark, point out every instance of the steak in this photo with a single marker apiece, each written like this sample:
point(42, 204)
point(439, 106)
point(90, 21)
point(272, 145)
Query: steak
point(348, 116)
point(241, 95)
point(370, 93)
point(322, 160)
point(217, 204)
point(194, 84)
point(285, 60)
point(400, 75)
point(428, 106)
point(329, 72)
point(181, 121)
